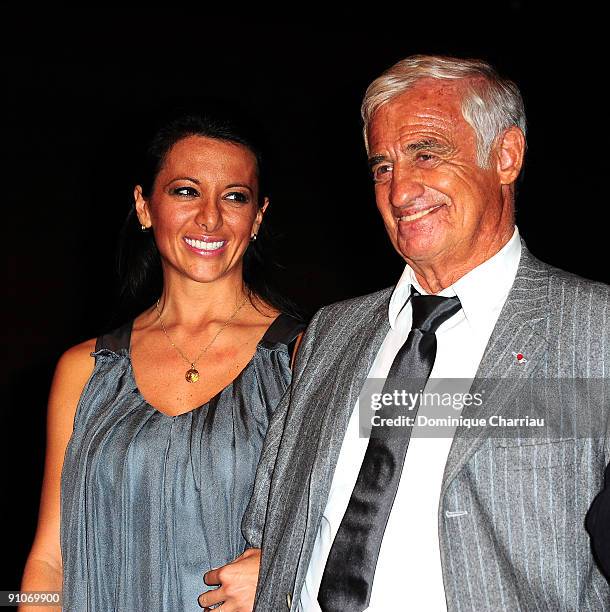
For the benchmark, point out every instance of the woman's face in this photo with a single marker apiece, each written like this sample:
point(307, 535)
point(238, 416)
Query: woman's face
point(203, 208)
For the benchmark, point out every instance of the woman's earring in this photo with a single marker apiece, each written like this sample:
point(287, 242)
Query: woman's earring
point(143, 227)
point(253, 238)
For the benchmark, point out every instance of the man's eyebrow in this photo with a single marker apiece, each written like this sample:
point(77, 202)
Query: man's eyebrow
point(376, 159)
point(430, 144)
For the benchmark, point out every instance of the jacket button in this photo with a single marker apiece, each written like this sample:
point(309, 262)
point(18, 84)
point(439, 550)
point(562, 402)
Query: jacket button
point(289, 600)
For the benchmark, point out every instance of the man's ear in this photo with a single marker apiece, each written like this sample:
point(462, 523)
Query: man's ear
point(141, 207)
point(510, 149)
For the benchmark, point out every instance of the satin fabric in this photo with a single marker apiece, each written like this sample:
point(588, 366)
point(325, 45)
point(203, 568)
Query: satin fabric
point(150, 502)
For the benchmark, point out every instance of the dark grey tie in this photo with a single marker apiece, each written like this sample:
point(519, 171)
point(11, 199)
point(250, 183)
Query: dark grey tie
point(350, 568)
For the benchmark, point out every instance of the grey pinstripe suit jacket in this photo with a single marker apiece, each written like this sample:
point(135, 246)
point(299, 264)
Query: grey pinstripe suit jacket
point(521, 543)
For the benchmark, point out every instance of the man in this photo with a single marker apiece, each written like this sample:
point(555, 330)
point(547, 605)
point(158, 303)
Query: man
point(464, 522)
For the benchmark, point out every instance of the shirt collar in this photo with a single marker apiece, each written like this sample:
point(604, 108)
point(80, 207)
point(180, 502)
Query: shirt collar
point(482, 291)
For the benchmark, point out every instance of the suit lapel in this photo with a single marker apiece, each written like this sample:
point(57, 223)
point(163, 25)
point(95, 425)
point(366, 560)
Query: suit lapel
point(521, 328)
point(351, 375)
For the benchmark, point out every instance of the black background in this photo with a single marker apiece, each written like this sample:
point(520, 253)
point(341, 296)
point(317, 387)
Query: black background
point(72, 93)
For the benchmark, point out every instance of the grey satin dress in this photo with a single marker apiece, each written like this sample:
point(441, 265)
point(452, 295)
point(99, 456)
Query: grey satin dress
point(150, 502)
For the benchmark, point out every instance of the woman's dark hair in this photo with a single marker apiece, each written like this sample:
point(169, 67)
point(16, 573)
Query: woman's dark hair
point(139, 262)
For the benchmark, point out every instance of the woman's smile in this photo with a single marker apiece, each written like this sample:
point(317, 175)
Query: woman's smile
point(205, 246)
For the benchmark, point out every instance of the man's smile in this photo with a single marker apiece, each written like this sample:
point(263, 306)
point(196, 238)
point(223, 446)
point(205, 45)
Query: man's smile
point(419, 214)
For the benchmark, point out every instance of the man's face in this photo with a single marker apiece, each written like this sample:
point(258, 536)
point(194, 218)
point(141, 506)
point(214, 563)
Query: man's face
point(440, 209)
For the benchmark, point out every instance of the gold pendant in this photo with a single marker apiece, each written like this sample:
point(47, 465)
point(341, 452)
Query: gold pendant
point(192, 375)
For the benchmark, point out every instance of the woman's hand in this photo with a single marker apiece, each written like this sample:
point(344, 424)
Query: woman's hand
point(237, 582)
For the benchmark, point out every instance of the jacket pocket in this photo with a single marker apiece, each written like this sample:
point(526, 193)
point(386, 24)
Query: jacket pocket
point(515, 455)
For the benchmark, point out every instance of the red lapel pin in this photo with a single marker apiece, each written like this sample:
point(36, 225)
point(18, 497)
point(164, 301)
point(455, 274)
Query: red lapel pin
point(520, 358)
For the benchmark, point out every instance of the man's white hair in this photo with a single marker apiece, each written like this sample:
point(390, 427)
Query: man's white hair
point(491, 104)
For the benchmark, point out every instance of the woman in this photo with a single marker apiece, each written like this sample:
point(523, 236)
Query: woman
point(155, 429)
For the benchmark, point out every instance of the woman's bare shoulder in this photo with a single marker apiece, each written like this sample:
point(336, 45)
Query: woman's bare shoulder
point(74, 368)
point(79, 355)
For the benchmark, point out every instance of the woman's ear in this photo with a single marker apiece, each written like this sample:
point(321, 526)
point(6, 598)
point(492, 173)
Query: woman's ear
point(142, 207)
point(259, 217)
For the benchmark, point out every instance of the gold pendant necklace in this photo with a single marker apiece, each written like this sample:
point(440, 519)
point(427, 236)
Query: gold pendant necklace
point(192, 374)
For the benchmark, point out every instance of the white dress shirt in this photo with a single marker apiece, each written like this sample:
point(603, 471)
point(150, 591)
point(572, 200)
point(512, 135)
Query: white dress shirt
point(409, 574)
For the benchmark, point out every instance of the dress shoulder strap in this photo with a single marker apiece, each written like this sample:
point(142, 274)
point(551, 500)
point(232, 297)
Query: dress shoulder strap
point(116, 339)
point(284, 330)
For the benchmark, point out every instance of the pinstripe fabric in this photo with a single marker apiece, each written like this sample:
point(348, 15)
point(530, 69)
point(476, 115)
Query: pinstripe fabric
point(511, 517)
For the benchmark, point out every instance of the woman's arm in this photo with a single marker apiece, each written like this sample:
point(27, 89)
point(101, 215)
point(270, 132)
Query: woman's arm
point(43, 569)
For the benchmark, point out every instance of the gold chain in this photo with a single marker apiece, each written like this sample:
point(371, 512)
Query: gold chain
point(192, 374)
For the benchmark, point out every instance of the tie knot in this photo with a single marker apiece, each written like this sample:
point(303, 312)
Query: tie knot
point(430, 311)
